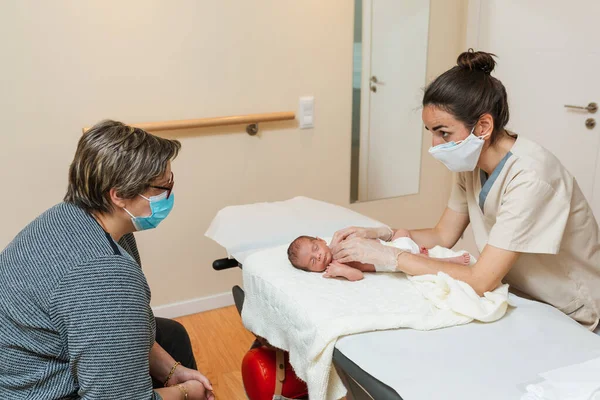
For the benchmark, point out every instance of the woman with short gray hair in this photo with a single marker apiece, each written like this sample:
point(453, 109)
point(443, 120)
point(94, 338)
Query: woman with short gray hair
point(75, 316)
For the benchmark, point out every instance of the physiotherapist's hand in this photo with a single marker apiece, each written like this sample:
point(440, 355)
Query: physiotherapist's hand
point(183, 374)
point(367, 251)
point(383, 233)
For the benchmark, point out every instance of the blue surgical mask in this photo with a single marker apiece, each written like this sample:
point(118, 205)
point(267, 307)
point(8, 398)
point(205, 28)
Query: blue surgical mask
point(160, 207)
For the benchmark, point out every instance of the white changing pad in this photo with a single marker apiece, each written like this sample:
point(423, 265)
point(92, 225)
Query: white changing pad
point(246, 228)
point(474, 361)
point(305, 313)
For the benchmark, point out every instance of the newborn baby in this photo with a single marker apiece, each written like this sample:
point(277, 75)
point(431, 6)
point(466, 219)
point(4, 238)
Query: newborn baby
point(312, 254)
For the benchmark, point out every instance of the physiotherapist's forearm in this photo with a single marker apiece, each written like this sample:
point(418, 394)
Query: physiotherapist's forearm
point(485, 276)
point(415, 265)
point(161, 363)
point(446, 233)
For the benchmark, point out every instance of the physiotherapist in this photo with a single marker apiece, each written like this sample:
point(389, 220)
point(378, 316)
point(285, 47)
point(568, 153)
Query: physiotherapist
point(532, 224)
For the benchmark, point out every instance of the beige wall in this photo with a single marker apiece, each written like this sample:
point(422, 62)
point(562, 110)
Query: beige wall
point(66, 64)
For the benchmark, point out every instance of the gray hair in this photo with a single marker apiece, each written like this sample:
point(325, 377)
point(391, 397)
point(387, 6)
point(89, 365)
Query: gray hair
point(114, 155)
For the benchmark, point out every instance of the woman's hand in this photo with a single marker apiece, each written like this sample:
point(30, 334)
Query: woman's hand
point(366, 251)
point(183, 375)
point(383, 233)
point(197, 391)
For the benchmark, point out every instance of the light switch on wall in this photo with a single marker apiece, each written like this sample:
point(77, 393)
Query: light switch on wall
point(306, 112)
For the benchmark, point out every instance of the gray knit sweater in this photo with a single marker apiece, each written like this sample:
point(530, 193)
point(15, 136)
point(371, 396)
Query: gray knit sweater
point(75, 316)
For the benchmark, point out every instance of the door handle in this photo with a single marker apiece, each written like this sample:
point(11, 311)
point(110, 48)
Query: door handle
point(590, 123)
point(591, 108)
point(376, 81)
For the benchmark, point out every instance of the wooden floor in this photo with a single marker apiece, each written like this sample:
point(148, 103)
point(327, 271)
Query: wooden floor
point(220, 341)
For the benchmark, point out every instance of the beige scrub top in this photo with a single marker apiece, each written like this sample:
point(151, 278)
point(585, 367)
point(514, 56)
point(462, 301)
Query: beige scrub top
point(532, 205)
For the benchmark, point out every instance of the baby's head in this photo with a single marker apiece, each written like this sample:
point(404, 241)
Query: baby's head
point(310, 254)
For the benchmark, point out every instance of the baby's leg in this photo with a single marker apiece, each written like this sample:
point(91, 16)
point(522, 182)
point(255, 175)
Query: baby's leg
point(463, 259)
point(400, 233)
point(337, 270)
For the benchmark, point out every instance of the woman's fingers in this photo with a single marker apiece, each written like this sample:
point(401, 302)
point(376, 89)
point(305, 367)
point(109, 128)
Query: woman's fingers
point(339, 254)
point(337, 250)
point(341, 235)
point(345, 246)
point(206, 383)
point(345, 260)
point(334, 248)
point(345, 255)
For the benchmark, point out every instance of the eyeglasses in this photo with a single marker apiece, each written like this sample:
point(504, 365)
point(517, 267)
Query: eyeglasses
point(168, 187)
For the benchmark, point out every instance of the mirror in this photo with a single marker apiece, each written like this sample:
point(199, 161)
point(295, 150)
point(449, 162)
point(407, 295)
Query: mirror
point(389, 66)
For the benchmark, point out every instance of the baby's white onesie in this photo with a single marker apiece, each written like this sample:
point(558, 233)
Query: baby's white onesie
point(402, 243)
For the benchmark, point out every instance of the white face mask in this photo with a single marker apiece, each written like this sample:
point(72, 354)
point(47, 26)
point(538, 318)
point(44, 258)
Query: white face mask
point(460, 156)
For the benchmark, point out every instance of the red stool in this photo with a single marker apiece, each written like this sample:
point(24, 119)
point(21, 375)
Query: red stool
point(267, 372)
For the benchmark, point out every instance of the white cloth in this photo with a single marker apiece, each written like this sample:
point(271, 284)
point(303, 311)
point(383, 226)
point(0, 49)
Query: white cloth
point(404, 243)
point(243, 229)
point(448, 293)
point(574, 382)
point(305, 314)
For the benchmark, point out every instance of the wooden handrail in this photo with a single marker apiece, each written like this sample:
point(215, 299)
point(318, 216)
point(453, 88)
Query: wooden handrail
point(251, 119)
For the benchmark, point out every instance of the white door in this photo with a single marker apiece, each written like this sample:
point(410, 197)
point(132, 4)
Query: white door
point(394, 67)
point(548, 56)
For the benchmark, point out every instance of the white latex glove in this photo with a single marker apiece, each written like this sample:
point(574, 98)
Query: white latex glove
point(384, 233)
point(367, 251)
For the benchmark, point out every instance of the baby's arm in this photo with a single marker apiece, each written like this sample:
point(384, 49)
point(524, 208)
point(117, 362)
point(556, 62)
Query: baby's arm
point(337, 270)
point(362, 267)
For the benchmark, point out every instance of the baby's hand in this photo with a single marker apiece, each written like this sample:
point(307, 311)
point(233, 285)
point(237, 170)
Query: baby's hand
point(338, 270)
point(333, 269)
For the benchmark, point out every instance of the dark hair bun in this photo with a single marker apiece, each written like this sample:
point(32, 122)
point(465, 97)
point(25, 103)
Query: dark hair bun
point(477, 61)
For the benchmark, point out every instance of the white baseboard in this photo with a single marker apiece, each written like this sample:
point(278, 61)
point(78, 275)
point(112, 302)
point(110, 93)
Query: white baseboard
point(194, 306)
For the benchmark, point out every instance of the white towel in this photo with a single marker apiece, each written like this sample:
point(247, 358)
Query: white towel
point(574, 382)
point(305, 314)
point(448, 293)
